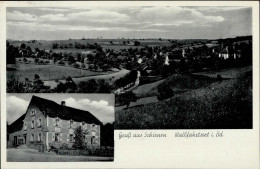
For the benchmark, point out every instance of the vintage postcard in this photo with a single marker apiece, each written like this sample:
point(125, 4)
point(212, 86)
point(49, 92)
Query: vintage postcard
point(130, 84)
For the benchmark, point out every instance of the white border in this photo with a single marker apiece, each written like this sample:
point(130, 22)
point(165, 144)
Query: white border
point(238, 149)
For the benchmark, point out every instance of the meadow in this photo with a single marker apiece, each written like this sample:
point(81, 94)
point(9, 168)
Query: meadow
point(46, 72)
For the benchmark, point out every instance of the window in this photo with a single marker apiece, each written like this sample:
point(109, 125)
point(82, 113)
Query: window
point(71, 124)
point(40, 137)
point(57, 137)
point(71, 137)
point(94, 127)
point(25, 126)
point(93, 140)
point(39, 123)
point(33, 112)
point(32, 124)
point(32, 137)
point(57, 122)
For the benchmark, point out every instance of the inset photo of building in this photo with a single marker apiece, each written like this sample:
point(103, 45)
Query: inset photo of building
point(60, 127)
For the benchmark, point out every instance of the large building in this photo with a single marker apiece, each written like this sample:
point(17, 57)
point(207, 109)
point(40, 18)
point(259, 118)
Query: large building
point(46, 124)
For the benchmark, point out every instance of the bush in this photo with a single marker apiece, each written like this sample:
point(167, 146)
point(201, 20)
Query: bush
point(125, 98)
point(165, 92)
point(90, 86)
point(61, 63)
point(75, 65)
point(83, 66)
point(14, 86)
point(64, 146)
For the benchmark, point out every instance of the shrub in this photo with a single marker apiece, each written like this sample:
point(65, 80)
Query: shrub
point(125, 98)
point(64, 146)
point(75, 65)
point(165, 92)
point(89, 86)
point(61, 63)
point(83, 66)
point(14, 86)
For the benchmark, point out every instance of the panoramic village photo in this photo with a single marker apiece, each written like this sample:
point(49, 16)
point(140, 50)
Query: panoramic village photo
point(169, 67)
point(60, 127)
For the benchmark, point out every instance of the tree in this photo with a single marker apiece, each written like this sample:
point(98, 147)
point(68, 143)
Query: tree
point(11, 54)
point(126, 98)
point(71, 60)
point(137, 43)
point(90, 86)
point(54, 46)
point(164, 91)
point(78, 138)
point(22, 46)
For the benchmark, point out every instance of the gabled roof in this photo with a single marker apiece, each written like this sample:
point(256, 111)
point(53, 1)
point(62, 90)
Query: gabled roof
point(17, 125)
point(52, 109)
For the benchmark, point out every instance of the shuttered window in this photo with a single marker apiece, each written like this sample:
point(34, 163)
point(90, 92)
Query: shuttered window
point(32, 138)
point(71, 137)
point(57, 137)
point(32, 124)
point(57, 122)
point(39, 122)
point(25, 126)
point(53, 136)
point(40, 137)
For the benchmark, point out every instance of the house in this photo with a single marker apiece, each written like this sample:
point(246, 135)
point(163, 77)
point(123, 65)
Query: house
point(46, 123)
point(230, 52)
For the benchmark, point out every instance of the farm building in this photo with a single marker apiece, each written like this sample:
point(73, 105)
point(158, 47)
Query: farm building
point(46, 124)
point(230, 52)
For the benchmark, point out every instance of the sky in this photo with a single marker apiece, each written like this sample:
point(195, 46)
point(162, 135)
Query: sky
point(168, 22)
point(100, 105)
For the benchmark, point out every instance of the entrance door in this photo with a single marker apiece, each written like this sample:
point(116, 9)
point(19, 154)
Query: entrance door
point(15, 141)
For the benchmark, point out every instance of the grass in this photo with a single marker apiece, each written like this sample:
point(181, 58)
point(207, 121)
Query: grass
point(46, 72)
point(30, 155)
point(147, 90)
point(226, 73)
point(179, 83)
point(221, 105)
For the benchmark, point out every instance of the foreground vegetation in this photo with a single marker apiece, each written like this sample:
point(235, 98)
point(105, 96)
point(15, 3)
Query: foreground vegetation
point(222, 105)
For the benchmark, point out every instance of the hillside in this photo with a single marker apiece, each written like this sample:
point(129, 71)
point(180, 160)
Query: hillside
point(221, 105)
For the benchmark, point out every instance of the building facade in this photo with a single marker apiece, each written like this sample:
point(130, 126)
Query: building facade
point(46, 124)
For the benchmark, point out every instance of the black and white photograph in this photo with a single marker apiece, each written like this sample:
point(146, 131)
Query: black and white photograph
point(170, 67)
point(60, 127)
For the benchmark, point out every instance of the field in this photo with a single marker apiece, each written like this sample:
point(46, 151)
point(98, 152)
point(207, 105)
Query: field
point(104, 43)
point(46, 72)
point(219, 105)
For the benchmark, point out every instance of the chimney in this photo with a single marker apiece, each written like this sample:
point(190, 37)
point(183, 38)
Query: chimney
point(63, 103)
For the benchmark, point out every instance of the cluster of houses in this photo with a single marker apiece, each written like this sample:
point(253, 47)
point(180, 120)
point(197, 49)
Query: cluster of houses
point(145, 56)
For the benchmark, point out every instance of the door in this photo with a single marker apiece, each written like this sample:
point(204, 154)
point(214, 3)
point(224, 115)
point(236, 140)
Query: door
point(15, 141)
